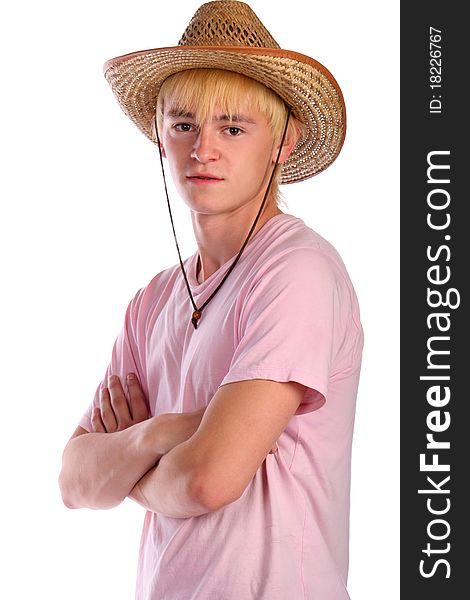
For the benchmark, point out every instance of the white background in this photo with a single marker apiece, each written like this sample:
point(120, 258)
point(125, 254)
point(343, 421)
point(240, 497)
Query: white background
point(84, 225)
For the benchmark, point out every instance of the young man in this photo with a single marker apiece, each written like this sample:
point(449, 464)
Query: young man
point(228, 406)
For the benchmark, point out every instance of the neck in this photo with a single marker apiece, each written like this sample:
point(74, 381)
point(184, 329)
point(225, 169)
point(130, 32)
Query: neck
point(220, 237)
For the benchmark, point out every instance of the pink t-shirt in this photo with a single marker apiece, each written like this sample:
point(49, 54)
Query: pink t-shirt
point(288, 312)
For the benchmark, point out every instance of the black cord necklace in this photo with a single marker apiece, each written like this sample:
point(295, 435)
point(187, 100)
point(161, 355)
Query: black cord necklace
point(197, 312)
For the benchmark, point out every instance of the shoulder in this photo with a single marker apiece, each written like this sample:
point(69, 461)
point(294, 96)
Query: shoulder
point(291, 248)
point(299, 281)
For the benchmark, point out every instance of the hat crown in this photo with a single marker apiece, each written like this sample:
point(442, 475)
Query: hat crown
point(227, 23)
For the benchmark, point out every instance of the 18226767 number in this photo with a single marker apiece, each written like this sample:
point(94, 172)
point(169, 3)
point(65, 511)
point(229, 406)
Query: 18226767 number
point(435, 58)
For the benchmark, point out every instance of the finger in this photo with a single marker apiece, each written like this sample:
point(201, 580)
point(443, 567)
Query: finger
point(96, 422)
point(107, 413)
point(138, 404)
point(119, 403)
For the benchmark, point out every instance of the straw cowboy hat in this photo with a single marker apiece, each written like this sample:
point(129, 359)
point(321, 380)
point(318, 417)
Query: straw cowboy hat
point(228, 35)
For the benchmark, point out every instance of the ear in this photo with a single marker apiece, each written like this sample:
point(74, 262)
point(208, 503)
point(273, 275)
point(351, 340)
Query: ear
point(289, 144)
point(162, 150)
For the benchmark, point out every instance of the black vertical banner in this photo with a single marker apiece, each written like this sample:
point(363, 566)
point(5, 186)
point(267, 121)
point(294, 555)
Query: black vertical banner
point(435, 269)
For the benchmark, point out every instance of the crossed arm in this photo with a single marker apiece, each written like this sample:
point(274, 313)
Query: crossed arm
point(180, 465)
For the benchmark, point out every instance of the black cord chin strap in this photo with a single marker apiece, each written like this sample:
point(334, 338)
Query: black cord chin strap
point(197, 312)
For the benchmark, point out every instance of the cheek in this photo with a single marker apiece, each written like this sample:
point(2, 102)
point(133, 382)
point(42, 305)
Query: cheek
point(174, 156)
point(259, 163)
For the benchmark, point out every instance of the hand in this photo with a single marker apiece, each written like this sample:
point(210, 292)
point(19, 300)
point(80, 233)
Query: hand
point(115, 412)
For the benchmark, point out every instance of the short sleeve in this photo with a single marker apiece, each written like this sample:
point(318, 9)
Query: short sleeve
point(291, 324)
point(126, 356)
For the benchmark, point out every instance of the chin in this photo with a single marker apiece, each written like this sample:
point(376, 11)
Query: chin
point(207, 205)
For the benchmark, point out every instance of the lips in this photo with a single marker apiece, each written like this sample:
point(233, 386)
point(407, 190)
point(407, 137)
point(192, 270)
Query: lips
point(204, 177)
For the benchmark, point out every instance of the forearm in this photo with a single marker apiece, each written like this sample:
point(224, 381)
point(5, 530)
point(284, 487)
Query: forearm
point(100, 469)
point(172, 488)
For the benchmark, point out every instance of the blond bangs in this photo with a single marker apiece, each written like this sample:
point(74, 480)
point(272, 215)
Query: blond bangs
point(203, 91)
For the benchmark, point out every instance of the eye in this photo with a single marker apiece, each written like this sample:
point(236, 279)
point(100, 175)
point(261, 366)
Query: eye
point(183, 126)
point(234, 131)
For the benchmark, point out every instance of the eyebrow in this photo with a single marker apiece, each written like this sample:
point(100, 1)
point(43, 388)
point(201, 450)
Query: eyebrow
point(240, 118)
point(175, 112)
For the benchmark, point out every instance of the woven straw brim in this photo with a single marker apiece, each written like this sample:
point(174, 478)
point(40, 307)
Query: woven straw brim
point(303, 83)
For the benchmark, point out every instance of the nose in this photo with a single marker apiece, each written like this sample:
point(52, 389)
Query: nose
point(205, 146)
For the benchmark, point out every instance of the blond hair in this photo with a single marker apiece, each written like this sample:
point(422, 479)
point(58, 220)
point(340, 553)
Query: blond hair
point(202, 91)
